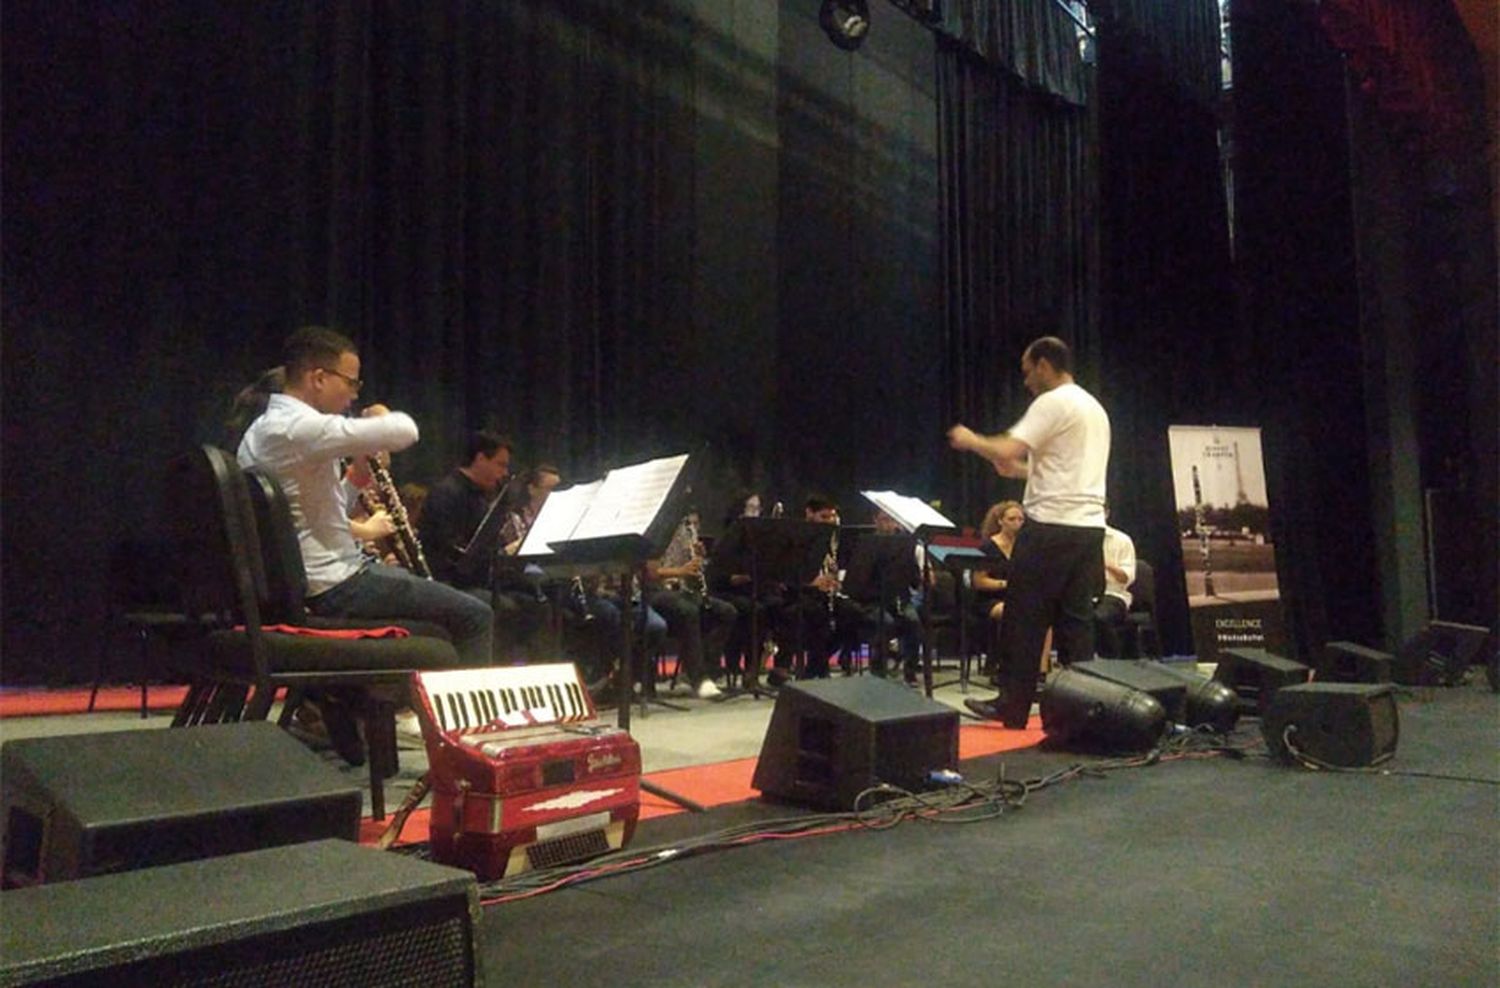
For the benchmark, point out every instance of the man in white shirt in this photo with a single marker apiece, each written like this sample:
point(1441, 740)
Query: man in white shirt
point(1113, 604)
point(1061, 447)
point(302, 439)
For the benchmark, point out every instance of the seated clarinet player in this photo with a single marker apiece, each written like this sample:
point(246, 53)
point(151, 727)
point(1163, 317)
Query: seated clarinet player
point(819, 618)
point(676, 589)
point(300, 439)
point(461, 530)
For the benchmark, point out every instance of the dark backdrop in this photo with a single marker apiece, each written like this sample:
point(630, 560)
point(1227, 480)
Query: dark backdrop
point(610, 230)
point(617, 230)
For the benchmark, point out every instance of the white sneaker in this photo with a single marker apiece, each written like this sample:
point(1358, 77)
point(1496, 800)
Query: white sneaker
point(708, 690)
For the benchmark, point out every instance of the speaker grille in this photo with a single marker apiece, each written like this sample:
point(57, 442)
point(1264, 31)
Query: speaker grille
point(321, 913)
point(375, 950)
point(565, 850)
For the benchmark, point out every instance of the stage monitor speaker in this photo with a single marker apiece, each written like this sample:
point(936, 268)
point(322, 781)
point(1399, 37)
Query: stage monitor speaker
point(1088, 712)
point(89, 804)
point(322, 913)
point(1348, 662)
point(1255, 675)
point(1207, 703)
point(1348, 725)
point(1144, 675)
point(831, 739)
point(1440, 654)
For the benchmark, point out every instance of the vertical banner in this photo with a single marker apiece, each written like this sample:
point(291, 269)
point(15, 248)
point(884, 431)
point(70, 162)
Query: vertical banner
point(1228, 555)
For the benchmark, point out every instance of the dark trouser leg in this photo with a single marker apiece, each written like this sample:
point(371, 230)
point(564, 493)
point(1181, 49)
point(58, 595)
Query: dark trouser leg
point(738, 647)
point(684, 622)
point(808, 630)
point(1073, 628)
point(650, 638)
point(380, 592)
point(719, 618)
point(1055, 571)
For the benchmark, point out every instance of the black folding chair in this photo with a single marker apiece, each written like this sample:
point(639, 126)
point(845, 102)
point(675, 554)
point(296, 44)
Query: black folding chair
point(242, 665)
point(1140, 637)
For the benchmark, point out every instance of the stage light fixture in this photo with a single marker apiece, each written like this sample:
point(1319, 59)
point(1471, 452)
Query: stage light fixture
point(846, 22)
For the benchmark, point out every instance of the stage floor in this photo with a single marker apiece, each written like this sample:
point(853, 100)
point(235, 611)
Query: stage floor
point(1192, 870)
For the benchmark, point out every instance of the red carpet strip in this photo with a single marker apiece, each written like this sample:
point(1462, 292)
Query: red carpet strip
point(729, 782)
point(42, 702)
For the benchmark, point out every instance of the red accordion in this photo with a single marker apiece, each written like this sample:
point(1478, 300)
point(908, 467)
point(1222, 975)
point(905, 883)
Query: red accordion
point(523, 773)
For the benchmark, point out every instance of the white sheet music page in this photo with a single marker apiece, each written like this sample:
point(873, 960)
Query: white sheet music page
point(911, 513)
point(630, 499)
point(557, 519)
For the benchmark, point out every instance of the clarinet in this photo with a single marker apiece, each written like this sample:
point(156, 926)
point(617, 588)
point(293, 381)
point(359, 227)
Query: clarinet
point(408, 546)
point(681, 551)
point(696, 583)
point(831, 571)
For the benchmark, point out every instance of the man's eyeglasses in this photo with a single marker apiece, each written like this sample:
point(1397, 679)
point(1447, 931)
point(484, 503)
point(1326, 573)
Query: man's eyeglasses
point(353, 382)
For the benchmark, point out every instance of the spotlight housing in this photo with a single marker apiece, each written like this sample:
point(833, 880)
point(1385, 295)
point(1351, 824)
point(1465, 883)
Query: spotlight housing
point(846, 22)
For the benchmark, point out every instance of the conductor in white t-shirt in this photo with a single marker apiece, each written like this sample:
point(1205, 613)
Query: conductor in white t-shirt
point(1061, 448)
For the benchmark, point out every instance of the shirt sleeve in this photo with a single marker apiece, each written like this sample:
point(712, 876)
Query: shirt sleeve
point(1038, 422)
point(333, 436)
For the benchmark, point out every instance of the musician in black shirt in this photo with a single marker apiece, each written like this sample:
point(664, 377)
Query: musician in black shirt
point(460, 535)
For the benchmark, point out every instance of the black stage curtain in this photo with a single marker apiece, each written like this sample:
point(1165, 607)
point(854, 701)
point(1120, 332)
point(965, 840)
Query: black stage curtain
point(496, 202)
point(1171, 353)
point(612, 230)
point(1035, 40)
point(1019, 249)
point(1296, 253)
point(1367, 273)
point(857, 399)
point(1181, 38)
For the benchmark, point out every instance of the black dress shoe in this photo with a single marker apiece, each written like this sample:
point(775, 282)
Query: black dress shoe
point(343, 731)
point(994, 710)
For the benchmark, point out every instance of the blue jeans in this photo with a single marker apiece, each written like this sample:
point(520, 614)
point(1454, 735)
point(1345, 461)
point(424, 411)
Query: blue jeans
point(381, 592)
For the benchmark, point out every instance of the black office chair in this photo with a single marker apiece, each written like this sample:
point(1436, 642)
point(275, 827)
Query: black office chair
point(240, 665)
point(1139, 638)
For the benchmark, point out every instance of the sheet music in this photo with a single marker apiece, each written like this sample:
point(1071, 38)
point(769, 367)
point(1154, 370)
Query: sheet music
point(629, 499)
point(558, 518)
point(911, 513)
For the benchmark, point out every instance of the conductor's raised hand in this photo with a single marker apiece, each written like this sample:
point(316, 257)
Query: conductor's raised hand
point(961, 437)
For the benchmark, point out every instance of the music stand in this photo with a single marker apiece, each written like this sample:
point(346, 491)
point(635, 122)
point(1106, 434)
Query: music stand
point(924, 522)
point(614, 526)
point(880, 567)
point(483, 545)
point(959, 560)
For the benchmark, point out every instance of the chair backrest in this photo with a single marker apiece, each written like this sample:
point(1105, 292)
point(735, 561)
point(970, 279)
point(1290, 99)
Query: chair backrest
point(218, 558)
point(1143, 590)
point(281, 555)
